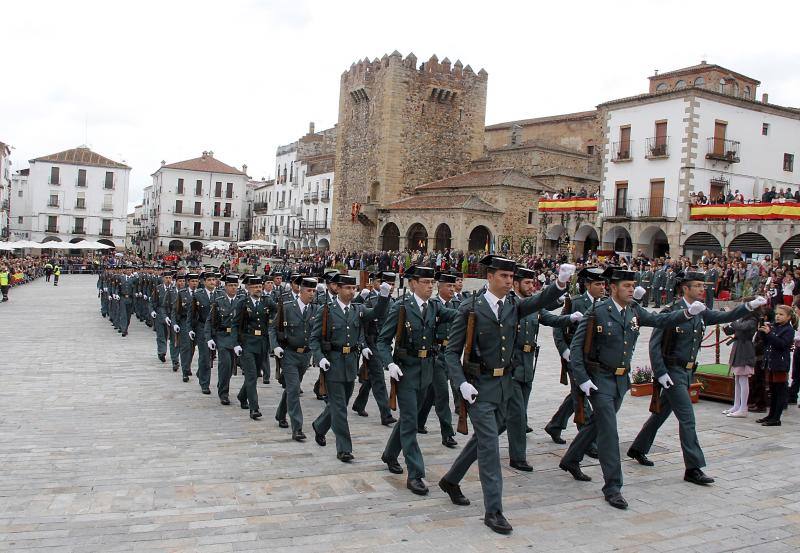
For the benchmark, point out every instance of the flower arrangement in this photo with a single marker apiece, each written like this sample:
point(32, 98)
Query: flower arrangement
point(642, 375)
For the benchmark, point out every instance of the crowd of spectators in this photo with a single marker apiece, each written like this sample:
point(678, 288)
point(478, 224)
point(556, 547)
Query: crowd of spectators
point(771, 195)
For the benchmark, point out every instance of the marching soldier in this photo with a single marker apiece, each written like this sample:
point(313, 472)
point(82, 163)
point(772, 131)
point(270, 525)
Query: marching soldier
point(179, 281)
point(252, 325)
point(125, 286)
point(712, 279)
point(326, 293)
point(158, 313)
point(595, 283)
point(670, 280)
point(491, 320)
point(411, 324)
point(221, 333)
point(526, 350)
point(659, 284)
point(375, 374)
point(438, 392)
point(183, 315)
point(609, 335)
point(203, 298)
point(646, 282)
point(291, 333)
point(102, 288)
point(673, 354)
point(336, 341)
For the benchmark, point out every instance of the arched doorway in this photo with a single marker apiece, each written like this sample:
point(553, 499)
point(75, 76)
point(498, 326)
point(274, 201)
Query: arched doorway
point(108, 242)
point(751, 244)
point(620, 240)
point(442, 237)
point(175, 246)
point(790, 250)
point(196, 246)
point(480, 239)
point(586, 240)
point(323, 244)
point(654, 241)
point(390, 237)
point(694, 246)
point(51, 239)
point(417, 237)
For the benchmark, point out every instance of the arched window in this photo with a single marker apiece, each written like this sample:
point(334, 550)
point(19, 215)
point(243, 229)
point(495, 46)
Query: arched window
point(721, 86)
point(735, 88)
point(661, 87)
point(680, 84)
point(747, 92)
point(699, 81)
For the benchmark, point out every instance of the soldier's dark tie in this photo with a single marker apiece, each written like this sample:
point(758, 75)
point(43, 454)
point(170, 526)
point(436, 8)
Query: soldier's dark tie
point(500, 309)
point(424, 310)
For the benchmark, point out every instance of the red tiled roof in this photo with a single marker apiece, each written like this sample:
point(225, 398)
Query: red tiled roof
point(206, 163)
point(82, 156)
point(484, 178)
point(450, 201)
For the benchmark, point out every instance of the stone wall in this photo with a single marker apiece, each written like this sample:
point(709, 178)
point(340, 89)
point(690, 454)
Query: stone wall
point(400, 126)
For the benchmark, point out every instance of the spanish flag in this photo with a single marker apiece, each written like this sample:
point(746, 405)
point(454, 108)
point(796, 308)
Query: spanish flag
point(568, 204)
point(757, 211)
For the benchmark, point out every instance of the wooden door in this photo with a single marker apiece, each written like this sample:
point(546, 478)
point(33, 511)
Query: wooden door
point(719, 137)
point(624, 142)
point(657, 198)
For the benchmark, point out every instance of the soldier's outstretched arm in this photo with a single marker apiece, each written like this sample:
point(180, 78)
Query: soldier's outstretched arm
point(660, 320)
point(557, 321)
point(713, 316)
point(379, 310)
point(538, 301)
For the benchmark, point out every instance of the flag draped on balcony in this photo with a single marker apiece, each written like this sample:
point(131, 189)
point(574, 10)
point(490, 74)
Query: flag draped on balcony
point(759, 211)
point(568, 204)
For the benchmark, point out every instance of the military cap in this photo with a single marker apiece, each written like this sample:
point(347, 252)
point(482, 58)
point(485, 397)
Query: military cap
point(621, 274)
point(181, 276)
point(689, 275)
point(522, 273)
point(492, 261)
point(268, 278)
point(344, 279)
point(330, 276)
point(592, 274)
point(408, 273)
point(446, 278)
point(168, 272)
point(374, 276)
point(458, 274)
point(253, 279)
point(423, 272)
point(308, 282)
point(217, 275)
point(387, 276)
point(297, 279)
point(192, 276)
point(231, 279)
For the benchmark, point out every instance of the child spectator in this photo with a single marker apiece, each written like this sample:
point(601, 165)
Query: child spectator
point(778, 339)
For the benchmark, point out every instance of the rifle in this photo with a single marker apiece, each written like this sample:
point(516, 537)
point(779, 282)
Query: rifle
point(580, 410)
point(178, 313)
point(398, 347)
point(325, 346)
point(666, 348)
point(281, 337)
point(567, 334)
point(469, 341)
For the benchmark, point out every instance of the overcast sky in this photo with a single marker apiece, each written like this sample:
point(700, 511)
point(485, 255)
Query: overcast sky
point(144, 81)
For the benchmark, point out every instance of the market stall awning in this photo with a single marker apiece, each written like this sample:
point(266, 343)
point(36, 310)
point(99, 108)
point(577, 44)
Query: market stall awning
point(568, 204)
point(759, 211)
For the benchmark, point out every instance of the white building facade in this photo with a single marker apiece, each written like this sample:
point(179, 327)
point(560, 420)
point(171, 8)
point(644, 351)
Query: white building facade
point(665, 148)
point(194, 202)
point(5, 190)
point(71, 196)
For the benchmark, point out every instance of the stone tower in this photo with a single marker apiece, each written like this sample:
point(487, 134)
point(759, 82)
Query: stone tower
point(401, 125)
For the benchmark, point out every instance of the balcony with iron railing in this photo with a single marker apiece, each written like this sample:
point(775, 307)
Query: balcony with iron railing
point(105, 232)
point(79, 230)
point(273, 229)
point(307, 197)
point(297, 210)
point(108, 208)
point(281, 205)
point(315, 197)
point(656, 147)
point(80, 203)
point(325, 195)
point(621, 151)
point(260, 207)
point(641, 209)
point(721, 149)
point(51, 229)
point(313, 225)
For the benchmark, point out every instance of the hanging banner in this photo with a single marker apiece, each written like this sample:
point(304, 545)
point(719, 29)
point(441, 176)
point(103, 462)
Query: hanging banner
point(758, 211)
point(569, 204)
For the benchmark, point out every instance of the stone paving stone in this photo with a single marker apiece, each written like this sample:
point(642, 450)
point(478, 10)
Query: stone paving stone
point(104, 449)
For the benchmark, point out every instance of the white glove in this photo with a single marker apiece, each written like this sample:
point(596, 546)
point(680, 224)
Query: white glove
point(756, 303)
point(364, 293)
point(665, 381)
point(587, 387)
point(145, 297)
point(394, 371)
point(386, 288)
point(320, 287)
point(176, 328)
point(576, 316)
point(153, 314)
point(278, 352)
point(468, 392)
point(324, 364)
point(211, 345)
point(638, 293)
point(191, 334)
point(697, 307)
point(237, 350)
point(366, 352)
point(565, 355)
point(565, 272)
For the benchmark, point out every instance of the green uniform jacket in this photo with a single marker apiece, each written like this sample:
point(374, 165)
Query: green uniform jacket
point(221, 325)
point(563, 334)
point(525, 345)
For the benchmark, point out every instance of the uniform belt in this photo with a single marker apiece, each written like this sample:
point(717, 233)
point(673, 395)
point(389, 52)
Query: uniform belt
point(495, 371)
point(344, 349)
point(600, 367)
point(675, 362)
point(301, 350)
point(442, 343)
point(255, 333)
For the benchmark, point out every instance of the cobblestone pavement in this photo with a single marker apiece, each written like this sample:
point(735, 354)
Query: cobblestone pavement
point(103, 448)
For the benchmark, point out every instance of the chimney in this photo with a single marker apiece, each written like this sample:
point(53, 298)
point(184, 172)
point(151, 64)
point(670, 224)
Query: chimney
point(244, 168)
point(205, 154)
point(163, 163)
point(311, 128)
point(765, 98)
point(211, 153)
